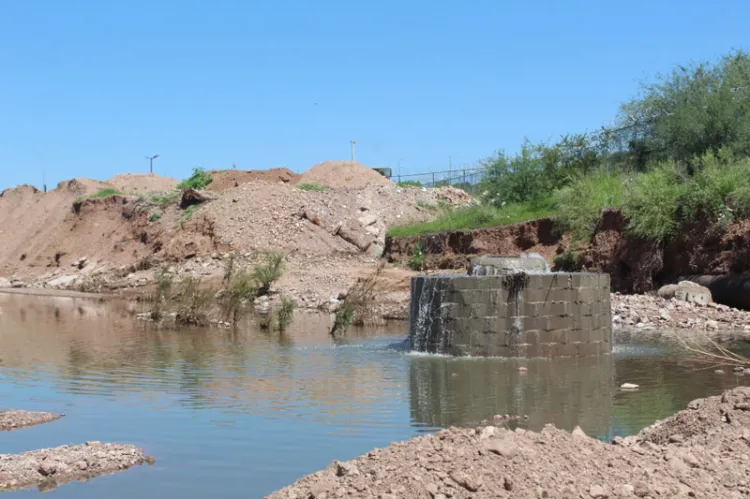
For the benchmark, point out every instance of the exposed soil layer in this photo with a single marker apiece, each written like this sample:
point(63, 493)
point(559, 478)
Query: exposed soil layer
point(13, 420)
point(700, 452)
point(48, 468)
point(454, 250)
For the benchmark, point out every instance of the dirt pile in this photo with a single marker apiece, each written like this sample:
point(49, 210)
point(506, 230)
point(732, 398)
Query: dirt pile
point(343, 174)
point(13, 420)
point(141, 183)
point(227, 179)
point(701, 452)
point(48, 468)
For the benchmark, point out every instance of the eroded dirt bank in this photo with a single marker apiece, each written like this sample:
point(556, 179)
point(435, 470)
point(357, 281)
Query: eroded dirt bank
point(699, 452)
point(48, 468)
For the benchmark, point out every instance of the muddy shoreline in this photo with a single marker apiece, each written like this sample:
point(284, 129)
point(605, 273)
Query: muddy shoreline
point(701, 451)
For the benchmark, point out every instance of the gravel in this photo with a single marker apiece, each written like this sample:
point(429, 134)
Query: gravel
point(700, 452)
point(47, 468)
point(13, 420)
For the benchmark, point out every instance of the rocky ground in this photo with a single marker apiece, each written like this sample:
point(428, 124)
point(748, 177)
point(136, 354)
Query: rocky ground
point(13, 420)
point(47, 468)
point(700, 452)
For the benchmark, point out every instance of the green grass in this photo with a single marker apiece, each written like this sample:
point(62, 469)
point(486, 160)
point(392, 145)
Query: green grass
point(313, 187)
point(200, 179)
point(154, 217)
point(103, 193)
point(165, 200)
point(409, 183)
point(476, 217)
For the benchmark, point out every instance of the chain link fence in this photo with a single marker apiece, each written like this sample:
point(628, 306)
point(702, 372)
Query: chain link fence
point(467, 179)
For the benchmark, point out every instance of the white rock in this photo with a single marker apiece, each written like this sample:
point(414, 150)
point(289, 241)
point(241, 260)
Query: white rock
point(4, 283)
point(629, 386)
point(62, 281)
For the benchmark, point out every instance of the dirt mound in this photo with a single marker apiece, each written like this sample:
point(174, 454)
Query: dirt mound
point(261, 216)
point(343, 174)
point(227, 179)
point(707, 459)
point(141, 183)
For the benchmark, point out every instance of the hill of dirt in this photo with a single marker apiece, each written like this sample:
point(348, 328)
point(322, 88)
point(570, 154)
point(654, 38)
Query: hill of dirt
point(699, 452)
point(141, 183)
point(227, 179)
point(343, 174)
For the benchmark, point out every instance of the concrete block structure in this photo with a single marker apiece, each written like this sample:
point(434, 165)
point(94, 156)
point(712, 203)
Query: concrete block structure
point(516, 314)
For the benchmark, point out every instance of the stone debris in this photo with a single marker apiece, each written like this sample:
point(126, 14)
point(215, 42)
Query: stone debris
point(13, 420)
point(47, 468)
point(700, 452)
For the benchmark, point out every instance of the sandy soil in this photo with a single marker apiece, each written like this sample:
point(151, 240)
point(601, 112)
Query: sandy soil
point(343, 174)
point(13, 420)
point(227, 179)
point(700, 452)
point(47, 468)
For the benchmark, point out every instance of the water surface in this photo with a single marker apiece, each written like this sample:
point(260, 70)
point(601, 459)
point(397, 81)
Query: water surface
point(241, 413)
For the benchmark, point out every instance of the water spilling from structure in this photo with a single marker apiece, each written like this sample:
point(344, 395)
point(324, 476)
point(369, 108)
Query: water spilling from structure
point(511, 307)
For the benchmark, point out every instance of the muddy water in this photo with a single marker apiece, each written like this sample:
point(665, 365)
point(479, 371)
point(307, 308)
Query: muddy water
point(242, 413)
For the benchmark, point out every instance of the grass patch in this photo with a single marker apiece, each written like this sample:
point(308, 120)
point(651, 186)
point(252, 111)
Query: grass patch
point(313, 187)
point(154, 217)
point(357, 306)
point(194, 302)
point(285, 313)
point(165, 200)
point(409, 183)
point(103, 193)
point(200, 179)
point(476, 217)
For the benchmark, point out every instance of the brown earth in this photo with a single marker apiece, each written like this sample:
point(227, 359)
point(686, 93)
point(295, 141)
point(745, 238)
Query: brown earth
point(227, 179)
point(64, 239)
point(343, 174)
point(700, 452)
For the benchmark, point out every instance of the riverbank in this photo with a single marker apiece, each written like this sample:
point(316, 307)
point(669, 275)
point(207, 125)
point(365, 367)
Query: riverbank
point(701, 451)
point(48, 468)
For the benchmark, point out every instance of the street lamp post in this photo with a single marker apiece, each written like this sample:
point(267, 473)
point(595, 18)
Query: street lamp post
point(151, 162)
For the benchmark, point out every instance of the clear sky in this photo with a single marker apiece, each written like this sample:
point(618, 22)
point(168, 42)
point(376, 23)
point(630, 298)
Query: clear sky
point(89, 87)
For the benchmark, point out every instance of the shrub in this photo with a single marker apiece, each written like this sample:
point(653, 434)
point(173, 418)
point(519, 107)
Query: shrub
point(567, 261)
point(579, 205)
point(416, 259)
point(194, 302)
point(267, 272)
point(357, 304)
point(154, 217)
point(285, 314)
point(160, 299)
point(652, 203)
point(313, 187)
point(200, 179)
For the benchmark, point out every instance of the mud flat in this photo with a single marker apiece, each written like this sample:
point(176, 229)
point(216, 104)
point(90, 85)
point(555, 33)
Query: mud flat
point(702, 451)
point(47, 468)
point(13, 420)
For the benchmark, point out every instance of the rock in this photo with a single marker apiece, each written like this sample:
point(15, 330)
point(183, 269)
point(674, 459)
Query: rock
point(504, 447)
point(62, 281)
point(47, 467)
point(629, 386)
point(375, 250)
point(352, 232)
point(667, 292)
point(346, 469)
point(597, 492)
point(626, 490)
point(664, 315)
point(579, 433)
point(192, 197)
point(641, 489)
point(693, 293)
point(466, 481)
point(4, 283)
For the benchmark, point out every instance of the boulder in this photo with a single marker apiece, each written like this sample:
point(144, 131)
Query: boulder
point(4, 283)
point(192, 196)
point(62, 282)
point(667, 292)
point(686, 291)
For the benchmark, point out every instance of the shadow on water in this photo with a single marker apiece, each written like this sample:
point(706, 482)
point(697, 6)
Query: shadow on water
point(231, 412)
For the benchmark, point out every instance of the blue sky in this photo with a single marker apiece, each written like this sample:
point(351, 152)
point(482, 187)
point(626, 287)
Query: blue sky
point(87, 88)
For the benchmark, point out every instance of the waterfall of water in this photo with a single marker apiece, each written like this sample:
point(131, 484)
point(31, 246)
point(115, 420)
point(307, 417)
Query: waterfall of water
point(424, 323)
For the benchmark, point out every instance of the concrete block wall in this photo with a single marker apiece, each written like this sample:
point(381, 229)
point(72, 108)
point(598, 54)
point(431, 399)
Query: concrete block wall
point(550, 315)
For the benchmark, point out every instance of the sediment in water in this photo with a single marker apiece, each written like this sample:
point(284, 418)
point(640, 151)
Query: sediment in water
point(700, 452)
point(13, 420)
point(47, 468)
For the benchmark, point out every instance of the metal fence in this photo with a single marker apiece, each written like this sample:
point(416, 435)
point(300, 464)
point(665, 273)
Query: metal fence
point(464, 178)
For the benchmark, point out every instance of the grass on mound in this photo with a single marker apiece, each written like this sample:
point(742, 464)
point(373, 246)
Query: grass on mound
point(476, 217)
point(313, 187)
point(103, 193)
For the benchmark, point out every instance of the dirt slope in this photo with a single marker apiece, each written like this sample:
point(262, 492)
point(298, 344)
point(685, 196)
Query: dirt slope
point(227, 179)
point(141, 183)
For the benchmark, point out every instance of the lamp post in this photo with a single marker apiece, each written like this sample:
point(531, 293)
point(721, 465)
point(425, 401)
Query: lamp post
point(151, 162)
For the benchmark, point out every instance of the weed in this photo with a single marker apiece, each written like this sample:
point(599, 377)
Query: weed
point(356, 307)
point(409, 183)
point(194, 302)
point(266, 273)
point(567, 261)
point(416, 259)
point(200, 179)
point(165, 200)
point(103, 193)
point(652, 203)
point(154, 217)
point(285, 314)
point(159, 301)
point(313, 187)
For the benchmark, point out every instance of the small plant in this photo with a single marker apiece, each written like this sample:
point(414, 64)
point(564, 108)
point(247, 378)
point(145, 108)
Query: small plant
point(357, 304)
point(165, 200)
point(568, 261)
point(163, 294)
point(154, 217)
point(194, 303)
point(102, 193)
point(188, 214)
point(266, 273)
point(200, 179)
point(416, 259)
point(313, 187)
point(410, 183)
point(344, 317)
point(285, 314)
point(237, 295)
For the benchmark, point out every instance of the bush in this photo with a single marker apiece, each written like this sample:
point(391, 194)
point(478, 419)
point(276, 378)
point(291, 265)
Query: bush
point(416, 259)
point(313, 187)
point(267, 272)
point(567, 261)
point(154, 217)
point(285, 314)
point(194, 302)
point(578, 207)
point(200, 179)
point(652, 203)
